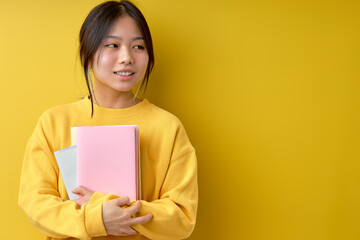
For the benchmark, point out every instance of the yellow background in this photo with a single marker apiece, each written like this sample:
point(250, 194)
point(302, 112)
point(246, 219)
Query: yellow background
point(267, 90)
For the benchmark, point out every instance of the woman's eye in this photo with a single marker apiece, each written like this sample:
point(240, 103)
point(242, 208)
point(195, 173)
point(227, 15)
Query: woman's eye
point(112, 45)
point(139, 47)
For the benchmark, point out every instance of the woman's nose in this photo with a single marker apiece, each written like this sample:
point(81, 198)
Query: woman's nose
point(125, 56)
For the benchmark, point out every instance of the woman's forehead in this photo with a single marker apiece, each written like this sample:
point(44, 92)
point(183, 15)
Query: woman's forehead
point(125, 26)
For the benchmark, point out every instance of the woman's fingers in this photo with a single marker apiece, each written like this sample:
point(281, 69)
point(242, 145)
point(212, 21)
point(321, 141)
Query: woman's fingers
point(79, 201)
point(81, 190)
point(77, 191)
point(134, 208)
point(122, 201)
point(84, 194)
point(140, 220)
point(118, 221)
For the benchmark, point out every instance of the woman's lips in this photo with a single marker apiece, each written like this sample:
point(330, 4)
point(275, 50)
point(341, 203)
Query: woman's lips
point(124, 75)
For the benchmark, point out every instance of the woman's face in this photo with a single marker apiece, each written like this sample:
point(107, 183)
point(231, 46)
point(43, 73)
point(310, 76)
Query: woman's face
point(121, 59)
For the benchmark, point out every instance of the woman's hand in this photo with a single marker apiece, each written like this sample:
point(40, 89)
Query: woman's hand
point(85, 193)
point(118, 220)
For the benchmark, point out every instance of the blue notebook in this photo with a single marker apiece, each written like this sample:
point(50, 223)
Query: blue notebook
point(66, 160)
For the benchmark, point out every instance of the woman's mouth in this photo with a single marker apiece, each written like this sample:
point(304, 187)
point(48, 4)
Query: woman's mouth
point(124, 73)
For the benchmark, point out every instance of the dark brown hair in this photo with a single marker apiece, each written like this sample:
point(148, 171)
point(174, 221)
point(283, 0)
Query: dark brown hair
point(98, 23)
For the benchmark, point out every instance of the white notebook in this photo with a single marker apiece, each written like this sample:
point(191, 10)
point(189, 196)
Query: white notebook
point(66, 160)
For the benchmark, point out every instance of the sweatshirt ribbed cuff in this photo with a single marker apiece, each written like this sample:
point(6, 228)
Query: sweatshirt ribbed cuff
point(93, 221)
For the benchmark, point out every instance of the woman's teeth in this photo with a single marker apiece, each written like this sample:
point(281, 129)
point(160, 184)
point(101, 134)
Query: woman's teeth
point(123, 73)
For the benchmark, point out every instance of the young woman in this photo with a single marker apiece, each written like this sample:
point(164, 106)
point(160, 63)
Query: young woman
point(117, 56)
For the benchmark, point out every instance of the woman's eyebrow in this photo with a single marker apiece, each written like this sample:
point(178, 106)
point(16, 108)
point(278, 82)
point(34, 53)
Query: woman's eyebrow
point(119, 38)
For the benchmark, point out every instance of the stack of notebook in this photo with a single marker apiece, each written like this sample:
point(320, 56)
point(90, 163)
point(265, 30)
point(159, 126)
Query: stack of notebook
point(102, 159)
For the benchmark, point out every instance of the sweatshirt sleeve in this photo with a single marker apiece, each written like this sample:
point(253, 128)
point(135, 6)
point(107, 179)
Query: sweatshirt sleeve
point(174, 213)
point(40, 200)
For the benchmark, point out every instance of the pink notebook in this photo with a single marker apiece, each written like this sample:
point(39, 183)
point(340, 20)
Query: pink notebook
point(108, 159)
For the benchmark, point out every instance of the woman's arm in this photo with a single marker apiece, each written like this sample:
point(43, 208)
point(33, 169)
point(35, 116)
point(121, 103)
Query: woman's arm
point(40, 200)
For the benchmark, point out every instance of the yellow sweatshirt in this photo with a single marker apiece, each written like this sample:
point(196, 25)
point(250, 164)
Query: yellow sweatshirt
point(169, 174)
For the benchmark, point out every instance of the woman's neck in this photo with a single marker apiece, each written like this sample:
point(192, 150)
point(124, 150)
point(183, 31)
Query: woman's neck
point(121, 100)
